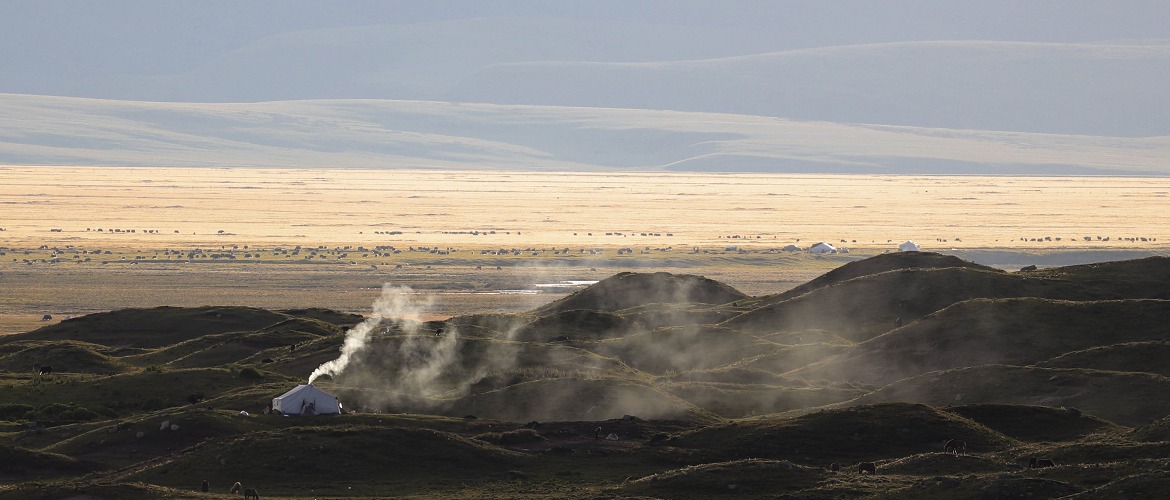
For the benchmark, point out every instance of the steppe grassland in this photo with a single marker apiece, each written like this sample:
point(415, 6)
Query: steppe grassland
point(190, 207)
point(255, 211)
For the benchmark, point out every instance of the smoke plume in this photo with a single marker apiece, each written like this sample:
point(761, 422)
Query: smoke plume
point(396, 305)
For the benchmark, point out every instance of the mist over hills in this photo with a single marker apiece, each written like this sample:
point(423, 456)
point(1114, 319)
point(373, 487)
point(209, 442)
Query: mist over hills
point(995, 88)
point(1064, 363)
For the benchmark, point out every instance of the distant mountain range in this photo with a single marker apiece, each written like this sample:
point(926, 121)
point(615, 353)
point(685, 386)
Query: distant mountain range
point(41, 130)
point(707, 86)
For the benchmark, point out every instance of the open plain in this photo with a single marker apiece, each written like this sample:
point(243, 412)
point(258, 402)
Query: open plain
point(78, 240)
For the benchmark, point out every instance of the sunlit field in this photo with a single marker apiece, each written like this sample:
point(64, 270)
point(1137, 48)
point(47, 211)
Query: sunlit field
point(78, 240)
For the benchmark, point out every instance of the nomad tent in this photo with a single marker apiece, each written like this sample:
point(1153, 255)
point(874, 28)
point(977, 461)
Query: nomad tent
point(908, 246)
point(306, 399)
point(822, 248)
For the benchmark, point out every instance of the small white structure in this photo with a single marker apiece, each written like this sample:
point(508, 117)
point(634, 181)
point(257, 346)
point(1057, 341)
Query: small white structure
point(822, 247)
point(306, 399)
point(908, 246)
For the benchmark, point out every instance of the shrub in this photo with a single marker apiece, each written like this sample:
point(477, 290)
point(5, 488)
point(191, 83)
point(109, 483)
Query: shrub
point(153, 369)
point(250, 372)
point(64, 411)
point(15, 411)
point(489, 437)
point(520, 436)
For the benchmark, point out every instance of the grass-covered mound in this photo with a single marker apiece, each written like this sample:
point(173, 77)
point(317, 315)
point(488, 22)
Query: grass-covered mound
point(1021, 331)
point(64, 356)
point(938, 462)
point(737, 478)
point(131, 393)
point(864, 307)
point(1036, 423)
point(574, 324)
point(867, 432)
point(741, 400)
point(1120, 397)
point(21, 464)
point(627, 290)
point(335, 460)
point(154, 327)
point(1150, 357)
point(874, 265)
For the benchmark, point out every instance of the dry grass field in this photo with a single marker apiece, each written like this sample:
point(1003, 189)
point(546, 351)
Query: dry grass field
point(79, 240)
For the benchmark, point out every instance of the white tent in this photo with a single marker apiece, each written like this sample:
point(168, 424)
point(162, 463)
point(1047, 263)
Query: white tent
point(908, 246)
point(822, 248)
point(306, 399)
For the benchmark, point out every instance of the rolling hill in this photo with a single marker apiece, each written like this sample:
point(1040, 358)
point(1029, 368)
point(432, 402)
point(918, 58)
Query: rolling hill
point(627, 387)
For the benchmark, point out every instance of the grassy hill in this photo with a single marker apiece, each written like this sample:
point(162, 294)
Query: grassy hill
point(640, 385)
point(1022, 331)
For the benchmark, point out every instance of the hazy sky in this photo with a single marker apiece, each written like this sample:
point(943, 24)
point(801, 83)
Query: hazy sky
point(75, 47)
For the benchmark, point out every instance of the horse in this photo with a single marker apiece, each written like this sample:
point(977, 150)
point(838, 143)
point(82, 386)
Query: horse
point(251, 494)
point(955, 446)
point(237, 487)
point(834, 467)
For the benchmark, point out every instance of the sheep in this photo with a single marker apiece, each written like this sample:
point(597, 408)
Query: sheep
point(1039, 463)
point(869, 467)
point(955, 446)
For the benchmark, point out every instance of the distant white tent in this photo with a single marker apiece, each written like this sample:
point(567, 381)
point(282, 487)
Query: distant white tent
point(908, 246)
point(822, 248)
point(306, 399)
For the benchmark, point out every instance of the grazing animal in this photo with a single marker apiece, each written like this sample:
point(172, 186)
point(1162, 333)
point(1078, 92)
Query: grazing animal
point(47, 317)
point(204, 487)
point(834, 467)
point(1039, 463)
point(250, 493)
point(45, 370)
point(237, 487)
point(869, 467)
point(955, 446)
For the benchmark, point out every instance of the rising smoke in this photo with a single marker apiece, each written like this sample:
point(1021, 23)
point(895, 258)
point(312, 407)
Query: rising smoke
point(397, 305)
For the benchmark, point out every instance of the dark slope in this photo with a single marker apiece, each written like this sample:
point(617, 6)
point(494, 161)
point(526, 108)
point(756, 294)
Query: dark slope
point(1150, 357)
point(683, 348)
point(626, 290)
point(976, 332)
point(1121, 397)
point(155, 327)
point(1137, 278)
point(573, 399)
point(63, 356)
point(865, 307)
point(859, 433)
point(873, 265)
point(1035, 423)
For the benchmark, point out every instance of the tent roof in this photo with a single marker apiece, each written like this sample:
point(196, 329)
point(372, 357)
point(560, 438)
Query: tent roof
point(304, 390)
